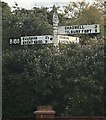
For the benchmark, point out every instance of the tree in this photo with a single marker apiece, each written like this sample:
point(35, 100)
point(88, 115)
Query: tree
point(82, 13)
point(6, 20)
point(22, 22)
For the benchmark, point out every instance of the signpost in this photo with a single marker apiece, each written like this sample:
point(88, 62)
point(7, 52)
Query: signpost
point(59, 34)
point(31, 40)
point(55, 28)
point(67, 39)
point(79, 29)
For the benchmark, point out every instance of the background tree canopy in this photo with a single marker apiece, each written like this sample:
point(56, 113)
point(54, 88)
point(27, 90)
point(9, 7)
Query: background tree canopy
point(70, 79)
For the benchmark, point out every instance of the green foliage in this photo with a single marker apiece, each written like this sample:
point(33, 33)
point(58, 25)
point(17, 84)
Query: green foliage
point(81, 13)
point(6, 16)
point(71, 80)
point(22, 22)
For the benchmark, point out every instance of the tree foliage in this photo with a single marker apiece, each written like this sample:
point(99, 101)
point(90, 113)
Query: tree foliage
point(71, 80)
point(22, 22)
point(81, 13)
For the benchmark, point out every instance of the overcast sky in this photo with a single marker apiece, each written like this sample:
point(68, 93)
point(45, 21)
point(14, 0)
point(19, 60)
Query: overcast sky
point(28, 4)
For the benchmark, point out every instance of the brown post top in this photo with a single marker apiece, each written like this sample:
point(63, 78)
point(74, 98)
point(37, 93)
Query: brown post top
point(44, 112)
point(44, 109)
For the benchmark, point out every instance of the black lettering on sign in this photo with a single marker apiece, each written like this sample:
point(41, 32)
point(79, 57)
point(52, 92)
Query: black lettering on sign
point(75, 27)
point(68, 27)
point(76, 31)
point(35, 42)
point(95, 30)
point(65, 31)
point(82, 27)
point(95, 26)
point(82, 31)
point(87, 31)
point(46, 41)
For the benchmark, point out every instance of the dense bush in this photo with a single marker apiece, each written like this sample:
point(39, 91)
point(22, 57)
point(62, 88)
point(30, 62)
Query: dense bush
point(70, 79)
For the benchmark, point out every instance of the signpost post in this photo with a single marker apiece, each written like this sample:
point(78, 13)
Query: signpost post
point(55, 28)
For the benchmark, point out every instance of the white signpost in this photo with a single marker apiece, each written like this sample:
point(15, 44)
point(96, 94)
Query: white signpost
point(79, 29)
point(31, 40)
point(63, 39)
point(59, 34)
point(55, 28)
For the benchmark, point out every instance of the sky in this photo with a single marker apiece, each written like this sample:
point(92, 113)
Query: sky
point(28, 4)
